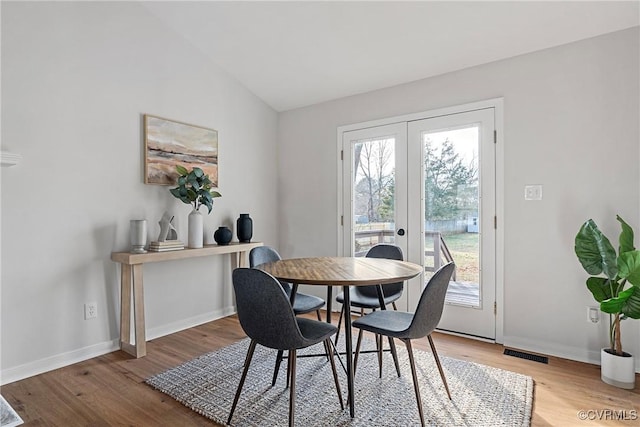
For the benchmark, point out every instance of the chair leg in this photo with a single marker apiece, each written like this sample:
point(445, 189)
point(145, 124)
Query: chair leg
point(339, 323)
point(277, 368)
point(379, 348)
point(355, 358)
point(416, 387)
point(435, 356)
point(318, 315)
point(394, 306)
point(327, 346)
point(394, 353)
point(292, 389)
point(252, 347)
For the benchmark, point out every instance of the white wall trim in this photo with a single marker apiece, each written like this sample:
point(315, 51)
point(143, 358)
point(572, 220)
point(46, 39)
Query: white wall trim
point(66, 359)
point(498, 105)
point(57, 361)
point(579, 354)
point(182, 324)
point(9, 159)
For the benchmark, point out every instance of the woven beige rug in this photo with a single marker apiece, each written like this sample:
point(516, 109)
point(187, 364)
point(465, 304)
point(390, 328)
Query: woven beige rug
point(482, 395)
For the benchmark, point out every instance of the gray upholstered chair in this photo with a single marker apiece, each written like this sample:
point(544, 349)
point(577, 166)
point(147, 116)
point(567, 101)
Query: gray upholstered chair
point(302, 303)
point(408, 326)
point(266, 316)
point(366, 297)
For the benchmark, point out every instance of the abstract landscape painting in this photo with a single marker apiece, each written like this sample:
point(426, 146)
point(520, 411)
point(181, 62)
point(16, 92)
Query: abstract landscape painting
point(169, 143)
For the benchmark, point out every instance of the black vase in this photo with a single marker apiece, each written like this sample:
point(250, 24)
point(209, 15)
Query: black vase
point(222, 236)
point(244, 228)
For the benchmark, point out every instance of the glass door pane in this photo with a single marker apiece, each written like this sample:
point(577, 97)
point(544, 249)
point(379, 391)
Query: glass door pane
point(451, 195)
point(373, 183)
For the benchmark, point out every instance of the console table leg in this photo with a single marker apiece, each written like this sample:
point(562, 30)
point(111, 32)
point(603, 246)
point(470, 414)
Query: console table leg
point(131, 277)
point(138, 310)
point(125, 306)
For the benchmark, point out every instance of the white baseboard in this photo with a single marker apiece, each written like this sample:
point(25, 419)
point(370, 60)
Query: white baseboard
point(65, 359)
point(566, 352)
point(58, 361)
point(181, 325)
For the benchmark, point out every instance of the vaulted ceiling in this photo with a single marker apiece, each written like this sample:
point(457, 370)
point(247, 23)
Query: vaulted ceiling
point(294, 54)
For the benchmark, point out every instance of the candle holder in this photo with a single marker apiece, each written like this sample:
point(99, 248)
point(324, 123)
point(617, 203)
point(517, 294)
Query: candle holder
point(138, 234)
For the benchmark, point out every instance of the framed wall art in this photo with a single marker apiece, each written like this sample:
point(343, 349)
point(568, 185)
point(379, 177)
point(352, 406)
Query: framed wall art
point(168, 143)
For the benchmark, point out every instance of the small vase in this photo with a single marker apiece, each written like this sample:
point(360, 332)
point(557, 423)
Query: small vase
point(196, 235)
point(244, 228)
point(138, 235)
point(222, 236)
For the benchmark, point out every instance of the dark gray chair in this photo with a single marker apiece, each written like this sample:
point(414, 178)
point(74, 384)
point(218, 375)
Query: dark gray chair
point(266, 316)
point(366, 297)
point(302, 303)
point(408, 326)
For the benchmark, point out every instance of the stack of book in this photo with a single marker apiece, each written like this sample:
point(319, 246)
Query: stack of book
point(167, 245)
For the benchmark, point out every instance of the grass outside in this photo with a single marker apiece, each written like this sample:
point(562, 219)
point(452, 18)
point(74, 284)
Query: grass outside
point(464, 248)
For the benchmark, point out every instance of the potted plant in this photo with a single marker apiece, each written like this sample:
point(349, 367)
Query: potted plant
point(615, 284)
point(194, 188)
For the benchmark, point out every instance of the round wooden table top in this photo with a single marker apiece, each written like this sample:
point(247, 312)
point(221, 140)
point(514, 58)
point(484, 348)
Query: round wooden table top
point(341, 271)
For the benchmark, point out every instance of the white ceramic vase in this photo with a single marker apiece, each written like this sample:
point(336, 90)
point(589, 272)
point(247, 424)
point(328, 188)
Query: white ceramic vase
point(196, 232)
point(618, 371)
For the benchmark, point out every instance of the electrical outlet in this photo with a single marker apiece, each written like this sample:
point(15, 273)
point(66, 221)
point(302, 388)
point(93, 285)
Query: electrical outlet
point(593, 314)
point(90, 310)
point(533, 192)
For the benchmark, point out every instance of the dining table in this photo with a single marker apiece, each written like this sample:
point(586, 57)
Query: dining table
point(344, 272)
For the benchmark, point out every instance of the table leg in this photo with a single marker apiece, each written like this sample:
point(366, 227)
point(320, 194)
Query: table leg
point(329, 302)
point(138, 311)
point(349, 349)
point(132, 275)
point(125, 306)
point(242, 262)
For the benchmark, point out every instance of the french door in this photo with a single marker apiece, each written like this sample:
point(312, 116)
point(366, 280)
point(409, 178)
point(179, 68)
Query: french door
point(428, 186)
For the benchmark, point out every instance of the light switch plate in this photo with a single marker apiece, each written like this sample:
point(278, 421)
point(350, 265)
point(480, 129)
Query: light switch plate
point(533, 192)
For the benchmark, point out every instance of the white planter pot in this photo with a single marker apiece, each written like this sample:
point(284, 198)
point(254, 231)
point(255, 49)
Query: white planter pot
point(617, 371)
point(196, 232)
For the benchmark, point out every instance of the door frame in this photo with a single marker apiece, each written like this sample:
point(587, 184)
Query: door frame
point(498, 105)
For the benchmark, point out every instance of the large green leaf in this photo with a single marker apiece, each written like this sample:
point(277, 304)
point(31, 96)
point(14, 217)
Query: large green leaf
point(198, 172)
point(594, 251)
point(626, 237)
point(631, 307)
point(615, 305)
point(629, 267)
point(175, 192)
point(599, 287)
point(182, 170)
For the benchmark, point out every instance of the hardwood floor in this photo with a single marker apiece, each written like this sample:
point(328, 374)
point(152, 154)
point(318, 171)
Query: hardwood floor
point(109, 390)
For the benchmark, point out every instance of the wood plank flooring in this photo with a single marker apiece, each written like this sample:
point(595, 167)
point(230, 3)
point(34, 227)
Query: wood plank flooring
point(109, 390)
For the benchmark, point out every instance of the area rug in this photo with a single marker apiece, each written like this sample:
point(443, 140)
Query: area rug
point(482, 395)
point(8, 416)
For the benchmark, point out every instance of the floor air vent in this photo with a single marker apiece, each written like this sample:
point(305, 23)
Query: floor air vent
point(528, 356)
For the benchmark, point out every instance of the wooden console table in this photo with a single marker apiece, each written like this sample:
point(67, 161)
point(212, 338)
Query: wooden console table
point(131, 274)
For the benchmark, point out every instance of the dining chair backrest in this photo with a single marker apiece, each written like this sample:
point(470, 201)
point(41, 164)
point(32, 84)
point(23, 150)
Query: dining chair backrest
point(264, 310)
point(431, 304)
point(263, 255)
point(387, 251)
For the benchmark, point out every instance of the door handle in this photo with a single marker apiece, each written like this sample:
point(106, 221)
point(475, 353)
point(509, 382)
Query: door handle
point(401, 232)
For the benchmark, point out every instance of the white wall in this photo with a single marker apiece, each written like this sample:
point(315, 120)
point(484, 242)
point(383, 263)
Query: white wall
point(76, 79)
point(571, 123)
